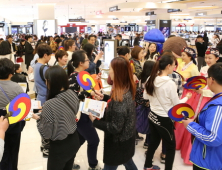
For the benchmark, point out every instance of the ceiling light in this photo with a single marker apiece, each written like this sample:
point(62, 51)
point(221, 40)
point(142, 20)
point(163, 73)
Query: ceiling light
point(203, 7)
point(169, 1)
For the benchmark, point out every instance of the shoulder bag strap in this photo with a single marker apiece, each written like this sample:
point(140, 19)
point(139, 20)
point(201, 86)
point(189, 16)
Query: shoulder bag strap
point(160, 103)
point(5, 94)
point(41, 70)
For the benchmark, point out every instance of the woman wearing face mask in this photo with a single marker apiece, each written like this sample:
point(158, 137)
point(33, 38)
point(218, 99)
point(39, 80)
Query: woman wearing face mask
point(118, 123)
point(57, 120)
point(152, 53)
point(161, 91)
point(87, 132)
point(211, 58)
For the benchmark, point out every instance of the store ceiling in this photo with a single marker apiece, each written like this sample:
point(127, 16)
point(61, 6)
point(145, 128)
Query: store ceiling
point(26, 10)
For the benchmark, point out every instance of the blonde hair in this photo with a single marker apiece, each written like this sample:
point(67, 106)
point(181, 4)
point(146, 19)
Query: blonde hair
point(53, 46)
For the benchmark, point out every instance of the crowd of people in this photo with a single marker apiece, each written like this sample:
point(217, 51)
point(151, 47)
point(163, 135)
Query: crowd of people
point(143, 82)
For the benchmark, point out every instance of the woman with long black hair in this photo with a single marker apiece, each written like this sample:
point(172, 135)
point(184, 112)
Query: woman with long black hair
point(57, 120)
point(94, 59)
point(161, 91)
point(87, 132)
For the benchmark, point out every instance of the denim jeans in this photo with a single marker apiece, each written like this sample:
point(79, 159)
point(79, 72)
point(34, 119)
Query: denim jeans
point(129, 166)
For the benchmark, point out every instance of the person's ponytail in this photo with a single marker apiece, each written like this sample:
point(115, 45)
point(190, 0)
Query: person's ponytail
point(165, 60)
point(70, 68)
point(150, 83)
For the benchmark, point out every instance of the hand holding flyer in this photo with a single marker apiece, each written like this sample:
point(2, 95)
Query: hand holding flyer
point(97, 108)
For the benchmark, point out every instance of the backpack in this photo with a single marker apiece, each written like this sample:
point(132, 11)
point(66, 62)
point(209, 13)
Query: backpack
point(41, 72)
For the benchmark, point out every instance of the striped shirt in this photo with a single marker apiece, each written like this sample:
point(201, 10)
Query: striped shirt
point(12, 89)
point(57, 119)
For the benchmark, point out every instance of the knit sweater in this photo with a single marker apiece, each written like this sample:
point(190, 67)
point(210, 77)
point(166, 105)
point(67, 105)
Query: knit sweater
point(118, 125)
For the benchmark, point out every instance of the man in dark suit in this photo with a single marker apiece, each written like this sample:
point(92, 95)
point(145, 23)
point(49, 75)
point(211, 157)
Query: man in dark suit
point(12, 46)
point(62, 37)
point(119, 40)
point(80, 38)
point(28, 51)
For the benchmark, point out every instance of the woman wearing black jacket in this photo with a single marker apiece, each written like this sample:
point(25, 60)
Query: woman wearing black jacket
point(118, 123)
point(21, 48)
point(137, 40)
point(20, 77)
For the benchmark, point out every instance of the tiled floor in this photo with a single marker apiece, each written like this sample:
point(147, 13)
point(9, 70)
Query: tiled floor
point(30, 156)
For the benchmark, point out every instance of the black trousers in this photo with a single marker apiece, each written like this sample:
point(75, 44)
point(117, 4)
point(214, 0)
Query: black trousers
point(63, 152)
point(11, 151)
point(161, 128)
point(88, 132)
point(197, 168)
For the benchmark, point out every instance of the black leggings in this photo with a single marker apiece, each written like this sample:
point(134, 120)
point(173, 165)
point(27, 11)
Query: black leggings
point(197, 168)
point(161, 128)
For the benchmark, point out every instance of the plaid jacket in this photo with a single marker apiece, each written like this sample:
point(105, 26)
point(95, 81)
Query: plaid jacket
point(178, 80)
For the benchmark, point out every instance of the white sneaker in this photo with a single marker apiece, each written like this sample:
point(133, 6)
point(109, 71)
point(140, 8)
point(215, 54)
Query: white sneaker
point(96, 168)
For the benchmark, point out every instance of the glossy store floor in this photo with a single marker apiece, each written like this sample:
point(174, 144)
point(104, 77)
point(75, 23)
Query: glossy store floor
point(30, 156)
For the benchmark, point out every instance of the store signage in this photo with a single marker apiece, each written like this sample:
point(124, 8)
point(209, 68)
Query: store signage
point(123, 22)
point(149, 13)
point(132, 24)
point(29, 23)
point(201, 13)
point(114, 8)
point(165, 23)
point(115, 18)
point(181, 25)
point(150, 22)
point(2, 24)
point(92, 25)
point(21, 26)
point(173, 10)
point(99, 13)
point(76, 20)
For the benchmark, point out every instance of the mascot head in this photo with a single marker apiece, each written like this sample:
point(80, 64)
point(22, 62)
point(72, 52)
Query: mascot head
point(156, 36)
point(175, 44)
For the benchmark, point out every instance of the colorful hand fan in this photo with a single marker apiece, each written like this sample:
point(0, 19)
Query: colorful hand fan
point(181, 112)
point(86, 81)
point(18, 108)
point(196, 82)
